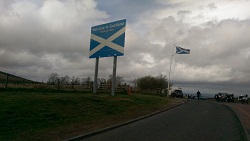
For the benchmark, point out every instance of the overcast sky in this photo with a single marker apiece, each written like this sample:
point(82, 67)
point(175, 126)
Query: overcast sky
point(38, 38)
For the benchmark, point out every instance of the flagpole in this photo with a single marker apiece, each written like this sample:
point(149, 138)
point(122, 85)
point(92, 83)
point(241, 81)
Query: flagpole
point(172, 55)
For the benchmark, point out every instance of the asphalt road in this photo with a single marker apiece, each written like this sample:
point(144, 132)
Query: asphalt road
point(193, 121)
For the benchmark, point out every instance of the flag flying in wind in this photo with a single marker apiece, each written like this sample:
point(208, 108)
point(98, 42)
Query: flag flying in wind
point(180, 50)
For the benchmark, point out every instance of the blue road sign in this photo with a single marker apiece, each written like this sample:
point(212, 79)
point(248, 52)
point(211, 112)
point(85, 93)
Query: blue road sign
point(107, 39)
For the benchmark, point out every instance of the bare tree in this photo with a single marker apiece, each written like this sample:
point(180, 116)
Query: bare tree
point(64, 80)
point(119, 80)
point(75, 80)
point(53, 79)
point(86, 80)
point(135, 82)
point(103, 81)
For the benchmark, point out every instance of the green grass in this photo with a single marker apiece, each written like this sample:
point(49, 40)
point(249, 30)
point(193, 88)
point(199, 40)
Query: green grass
point(28, 114)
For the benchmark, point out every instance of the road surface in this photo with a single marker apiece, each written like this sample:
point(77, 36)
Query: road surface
point(195, 120)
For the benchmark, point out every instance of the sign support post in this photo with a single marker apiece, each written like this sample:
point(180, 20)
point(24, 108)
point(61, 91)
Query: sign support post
point(114, 76)
point(96, 76)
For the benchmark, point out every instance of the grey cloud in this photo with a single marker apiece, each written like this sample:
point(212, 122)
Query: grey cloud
point(211, 6)
point(183, 13)
point(129, 9)
point(223, 45)
point(35, 40)
point(21, 59)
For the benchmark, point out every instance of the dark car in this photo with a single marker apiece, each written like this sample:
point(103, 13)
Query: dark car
point(177, 93)
point(243, 99)
point(224, 97)
point(200, 98)
point(220, 97)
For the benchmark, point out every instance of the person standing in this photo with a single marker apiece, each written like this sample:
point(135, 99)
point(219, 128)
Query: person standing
point(198, 94)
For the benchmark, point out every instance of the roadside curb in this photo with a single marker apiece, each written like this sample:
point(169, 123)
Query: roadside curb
point(241, 121)
point(84, 136)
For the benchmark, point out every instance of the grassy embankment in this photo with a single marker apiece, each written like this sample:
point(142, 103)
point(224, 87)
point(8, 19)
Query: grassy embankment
point(28, 114)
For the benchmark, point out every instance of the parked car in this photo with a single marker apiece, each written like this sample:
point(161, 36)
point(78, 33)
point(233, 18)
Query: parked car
point(191, 97)
point(177, 93)
point(224, 97)
point(243, 99)
point(201, 98)
point(230, 97)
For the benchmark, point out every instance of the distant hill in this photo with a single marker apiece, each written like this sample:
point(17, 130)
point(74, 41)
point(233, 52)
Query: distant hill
point(13, 78)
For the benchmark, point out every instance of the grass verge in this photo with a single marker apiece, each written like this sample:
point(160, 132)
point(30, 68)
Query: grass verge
point(56, 115)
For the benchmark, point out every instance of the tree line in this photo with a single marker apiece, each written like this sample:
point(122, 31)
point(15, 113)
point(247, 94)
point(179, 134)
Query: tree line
point(54, 79)
point(150, 83)
point(146, 84)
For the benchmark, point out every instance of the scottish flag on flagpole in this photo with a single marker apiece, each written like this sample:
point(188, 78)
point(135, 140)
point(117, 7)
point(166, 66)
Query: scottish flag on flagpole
point(180, 50)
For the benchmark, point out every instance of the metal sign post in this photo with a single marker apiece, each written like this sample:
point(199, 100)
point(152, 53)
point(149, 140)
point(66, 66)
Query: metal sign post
point(114, 76)
point(96, 76)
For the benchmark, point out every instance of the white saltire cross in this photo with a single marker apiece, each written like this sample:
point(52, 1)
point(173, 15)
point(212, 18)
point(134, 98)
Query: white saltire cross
point(107, 42)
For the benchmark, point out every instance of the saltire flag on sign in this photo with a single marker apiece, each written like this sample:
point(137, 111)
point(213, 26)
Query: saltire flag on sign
point(180, 50)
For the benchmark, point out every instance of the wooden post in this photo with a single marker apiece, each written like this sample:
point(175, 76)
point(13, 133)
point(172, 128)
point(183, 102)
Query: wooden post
point(6, 82)
point(58, 84)
point(129, 90)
